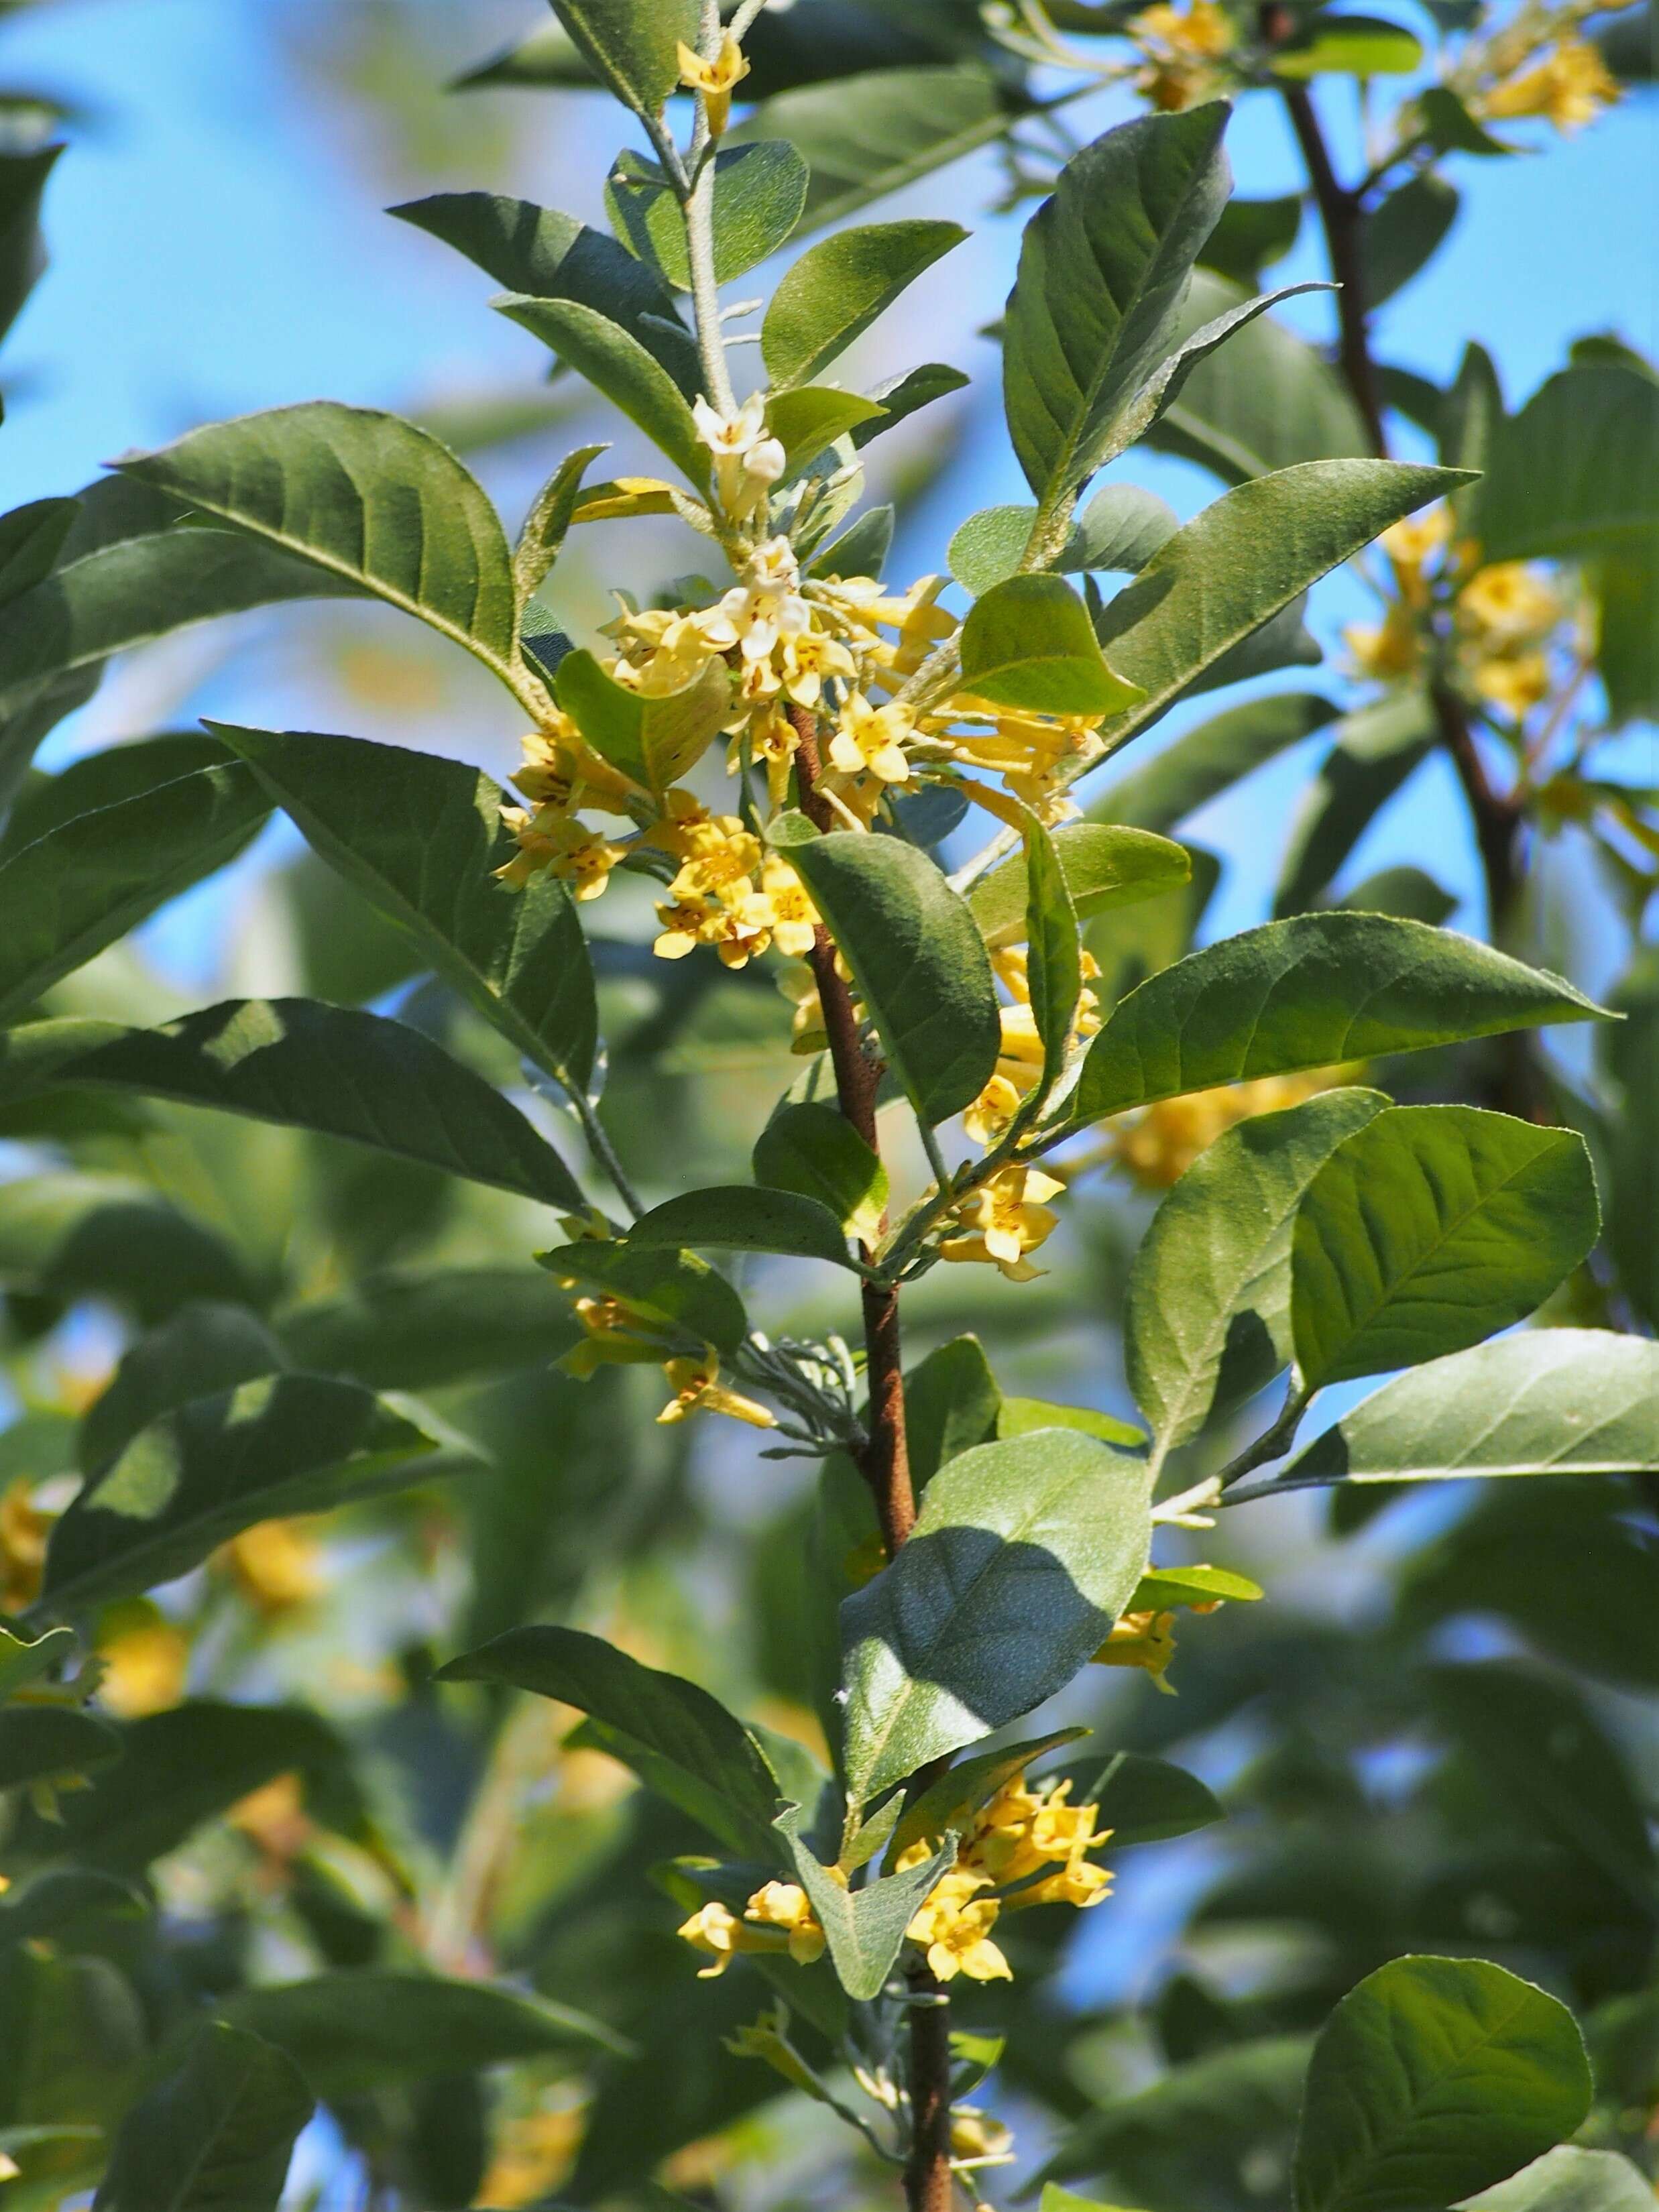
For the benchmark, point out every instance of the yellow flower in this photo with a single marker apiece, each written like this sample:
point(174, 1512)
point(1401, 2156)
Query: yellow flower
point(715, 80)
point(1159, 1146)
point(762, 611)
point(614, 1335)
point(1510, 601)
point(1515, 681)
point(1004, 1220)
point(987, 1120)
point(1182, 49)
point(808, 658)
point(144, 1667)
point(1569, 88)
point(24, 1529)
point(688, 922)
point(715, 1929)
point(781, 906)
point(1414, 542)
point(274, 1820)
point(276, 1565)
point(872, 739)
point(533, 2154)
point(783, 1904)
point(954, 1928)
point(978, 2140)
point(698, 1389)
point(807, 1034)
point(746, 459)
point(1386, 652)
point(576, 854)
point(1141, 1639)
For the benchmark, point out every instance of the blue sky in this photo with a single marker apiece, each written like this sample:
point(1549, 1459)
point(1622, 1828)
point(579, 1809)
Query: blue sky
point(218, 229)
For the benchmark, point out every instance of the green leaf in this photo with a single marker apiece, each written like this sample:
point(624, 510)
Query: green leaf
point(39, 1742)
point(632, 45)
point(65, 1234)
point(817, 1152)
point(548, 521)
point(109, 778)
point(1240, 562)
point(31, 539)
point(423, 838)
point(1056, 2199)
point(126, 594)
point(1207, 1319)
point(368, 498)
point(1310, 992)
point(48, 1905)
point(1161, 1587)
point(688, 1748)
point(865, 135)
point(1055, 965)
point(1019, 1417)
point(1121, 528)
point(418, 1328)
point(353, 2033)
point(1203, 762)
point(807, 419)
point(676, 1290)
point(74, 891)
point(963, 1788)
point(1404, 233)
point(988, 548)
point(951, 1402)
point(900, 396)
point(918, 962)
point(1186, 2140)
point(1429, 1229)
point(1448, 126)
point(653, 737)
point(833, 294)
point(1550, 1401)
point(24, 170)
point(1431, 2080)
point(215, 2137)
point(1101, 276)
point(72, 2045)
point(616, 364)
point(283, 1444)
point(307, 1066)
point(1349, 46)
point(23, 1663)
point(537, 251)
point(1103, 866)
point(1265, 401)
point(1027, 643)
point(863, 1929)
point(1145, 1801)
point(1569, 2180)
point(745, 1218)
point(1376, 750)
point(195, 1353)
point(1576, 472)
point(1161, 389)
point(1250, 235)
point(1024, 1555)
point(1407, 893)
point(759, 191)
point(184, 1766)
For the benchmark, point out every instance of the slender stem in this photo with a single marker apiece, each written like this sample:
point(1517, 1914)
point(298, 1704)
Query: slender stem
point(886, 1465)
point(699, 206)
point(599, 1144)
point(1342, 214)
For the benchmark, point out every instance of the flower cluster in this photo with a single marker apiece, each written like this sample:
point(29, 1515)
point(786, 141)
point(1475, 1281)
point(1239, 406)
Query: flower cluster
point(1028, 1846)
point(1538, 64)
point(1156, 1146)
point(1500, 624)
point(616, 1333)
point(1182, 50)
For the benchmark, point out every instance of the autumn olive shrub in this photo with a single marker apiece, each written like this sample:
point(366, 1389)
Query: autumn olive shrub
point(779, 754)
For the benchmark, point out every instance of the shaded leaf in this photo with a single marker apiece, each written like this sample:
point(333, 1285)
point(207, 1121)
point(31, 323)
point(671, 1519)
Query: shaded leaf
point(416, 1328)
point(745, 1218)
point(833, 294)
point(1103, 866)
point(759, 191)
point(196, 1352)
point(1576, 472)
point(1027, 643)
point(616, 364)
point(216, 2136)
point(817, 1152)
point(1121, 528)
point(653, 737)
point(1203, 762)
point(1146, 1800)
point(864, 1929)
point(675, 1290)
point(37, 1742)
point(632, 45)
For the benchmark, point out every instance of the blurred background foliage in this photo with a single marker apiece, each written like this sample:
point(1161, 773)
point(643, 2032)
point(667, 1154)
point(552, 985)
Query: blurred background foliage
point(1440, 1732)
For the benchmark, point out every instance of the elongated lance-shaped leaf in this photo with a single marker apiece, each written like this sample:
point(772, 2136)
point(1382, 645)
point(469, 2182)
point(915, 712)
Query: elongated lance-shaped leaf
point(837, 289)
point(84, 884)
point(1207, 1321)
point(1101, 272)
point(864, 1929)
point(1023, 1557)
point(1430, 1229)
point(745, 1218)
point(1310, 992)
point(365, 496)
point(1547, 1401)
point(632, 45)
point(615, 363)
point(310, 1067)
point(39, 1742)
point(282, 1445)
point(759, 191)
point(1576, 472)
point(423, 838)
point(217, 2135)
point(1054, 952)
point(1104, 867)
point(1210, 759)
point(918, 961)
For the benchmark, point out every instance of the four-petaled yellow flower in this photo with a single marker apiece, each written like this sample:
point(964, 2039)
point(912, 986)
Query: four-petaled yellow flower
point(872, 739)
point(954, 1925)
point(1004, 1220)
point(715, 80)
point(748, 459)
point(698, 1389)
point(777, 1918)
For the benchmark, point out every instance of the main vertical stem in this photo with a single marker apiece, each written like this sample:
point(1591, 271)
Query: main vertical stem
point(886, 1466)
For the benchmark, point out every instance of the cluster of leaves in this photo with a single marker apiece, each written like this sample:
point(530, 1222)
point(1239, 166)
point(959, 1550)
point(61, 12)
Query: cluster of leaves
point(171, 1860)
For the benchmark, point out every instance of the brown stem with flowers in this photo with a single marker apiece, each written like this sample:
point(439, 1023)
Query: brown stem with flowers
point(886, 1466)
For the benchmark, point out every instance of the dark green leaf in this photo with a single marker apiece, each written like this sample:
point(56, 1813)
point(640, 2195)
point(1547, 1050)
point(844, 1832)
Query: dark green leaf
point(862, 550)
point(421, 1328)
point(423, 838)
point(904, 395)
point(353, 2033)
point(67, 1235)
point(971, 1783)
point(283, 1444)
point(632, 45)
point(370, 500)
point(688, 1748)
point(216, 2136)
point(1310, 992)
point(817, 1152)
point(615, 363)
point(72, 2041)
point(23, 174)
point(1404, 233)
point(1028, 643)
point(50, 1903)
point(1376, 750)
point(1145, 1801)
point(1210, 759)
point(1023, 1557)
point(78, 889)
point(196, 1353)
point(1249, 235)
point(759, 191)
point(918, 962)
point(1207, 1321)
point(1103, 866)
point(311, 1066)
point(1054, 963)
point(1433, 2079)
point(1121, 528)
point(1576, 472)
point(37, 1742)
point(951, 1402)
point(653, 737)
point(745, 1218)
point(837, 289)
point(31, 539)
point(1429, 1229)
point(864, 1929)
point(1449, 128)
point(1101, 277)
point(109, 778)
point(676, 1290)
point(1186, 2140)
point(1407, 893)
